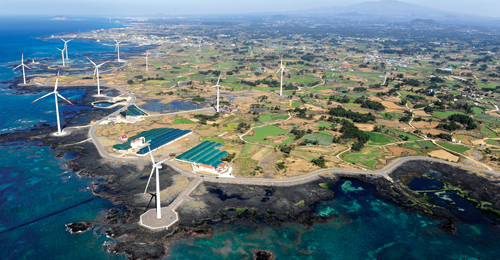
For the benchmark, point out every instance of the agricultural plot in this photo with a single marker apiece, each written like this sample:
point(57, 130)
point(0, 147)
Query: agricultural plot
point(447, 113)
point(454, 147)
point(321, 139)
point(263, 132)
point(380, 139)
point(364, 159)
point(426, 144)
point(183, 121)
point(322, 124)
point(410, 136)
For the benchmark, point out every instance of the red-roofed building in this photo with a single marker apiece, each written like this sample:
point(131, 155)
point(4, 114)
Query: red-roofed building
point(124, 137)
point(221, 167)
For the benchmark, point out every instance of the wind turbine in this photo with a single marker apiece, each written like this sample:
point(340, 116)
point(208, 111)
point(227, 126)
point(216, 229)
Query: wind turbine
point(66, 46)
point(62, 53)
point(217, 108)
point(22, 65)
point(117, 48)
point(156, 166)
point(96, 73)
point(199, 46)
point(147, 53)
point(282, 69)
point(56, 94)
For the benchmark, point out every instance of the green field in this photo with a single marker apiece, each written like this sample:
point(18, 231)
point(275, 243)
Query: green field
point(454, 147)
point(412, 145)
point(322, 124)
point(183, 121)
point(425, 144)
point(265, 118)
point(369, 159)
point(263, 132)
point(410, 136)
point(485, 130)
point(447, 113)
point(492, 142)
point(477, 110)
point(249, 149)
point(380, 139)
point(322, 139)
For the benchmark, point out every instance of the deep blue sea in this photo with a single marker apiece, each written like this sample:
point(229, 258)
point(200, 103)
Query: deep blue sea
point(34, 185)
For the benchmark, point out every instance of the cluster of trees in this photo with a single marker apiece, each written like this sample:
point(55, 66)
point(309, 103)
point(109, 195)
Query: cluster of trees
point(206, 72)
point(354, 116)
point(204, 118)
point(350, 131)
point(365, 103)
point(301, 112)
point(464, 120)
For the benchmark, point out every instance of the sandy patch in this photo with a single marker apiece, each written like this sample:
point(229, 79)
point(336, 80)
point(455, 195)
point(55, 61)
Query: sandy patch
point(365, 127)
point(424, 125)
point(373, 98)
point(391, 105)
point(366, 70)
point(433, 131)
point(478, 142)
point(420, 113)
point(260, 154)
point(325, 90)
point(442, 154)
point(397, 151)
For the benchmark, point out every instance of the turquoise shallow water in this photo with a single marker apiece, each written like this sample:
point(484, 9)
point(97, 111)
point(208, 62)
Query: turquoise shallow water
point(367, 227)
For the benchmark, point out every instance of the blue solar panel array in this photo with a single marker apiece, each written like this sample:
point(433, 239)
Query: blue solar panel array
point(163, 139)
point(204, 153)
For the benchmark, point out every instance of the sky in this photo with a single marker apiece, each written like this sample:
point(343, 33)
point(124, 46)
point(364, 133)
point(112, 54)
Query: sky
point(176, 7)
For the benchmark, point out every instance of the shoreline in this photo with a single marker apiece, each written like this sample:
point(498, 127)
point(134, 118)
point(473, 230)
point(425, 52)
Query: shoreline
point(122, 189)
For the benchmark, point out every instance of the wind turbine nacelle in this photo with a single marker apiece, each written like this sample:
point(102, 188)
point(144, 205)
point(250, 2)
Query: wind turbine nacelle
point(159, 166)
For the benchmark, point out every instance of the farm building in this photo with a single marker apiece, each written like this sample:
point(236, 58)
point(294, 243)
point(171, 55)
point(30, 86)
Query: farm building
point(205, 156)
point(133, 111)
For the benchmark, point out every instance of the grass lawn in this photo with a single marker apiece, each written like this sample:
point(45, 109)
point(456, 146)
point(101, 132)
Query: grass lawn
point(413, 145)
point(296, 104)
point(447, 113)
point(454, 147)
point(263, 132)
point(381, 139)
point(277, 117)
point(183, 121)
point(477, 110)
point(322, 124)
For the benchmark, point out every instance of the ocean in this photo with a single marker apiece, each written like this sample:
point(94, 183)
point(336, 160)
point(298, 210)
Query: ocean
point(38, 196)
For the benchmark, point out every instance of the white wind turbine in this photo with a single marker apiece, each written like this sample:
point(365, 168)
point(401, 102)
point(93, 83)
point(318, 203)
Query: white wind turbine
point(199, 46)
point(117, 48)
point(147, 53)
point(218, 86)
point(56, 94)
point(156, 166)
point(96, 73)
point(22, 65)
point(62, 53)
point(66, 46)
point(282, 69)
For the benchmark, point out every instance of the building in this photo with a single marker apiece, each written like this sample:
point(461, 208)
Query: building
point(231, 108)
point(138, 142)
point(205, 156)
point(123, 138)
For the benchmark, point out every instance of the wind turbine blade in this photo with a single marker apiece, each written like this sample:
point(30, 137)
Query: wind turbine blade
point(17, 66)
point(26, 66)
point(59, 49)
point(57, 80)
point(162, 161)
point(102, 63)
point(42, 97)
point(91, 61)
point(69, 40)
point(150, 175)
point(64, 98)
point(213, 87)
point(151, 153)
point(62, 40)
point(277, 71)
point(219, 79)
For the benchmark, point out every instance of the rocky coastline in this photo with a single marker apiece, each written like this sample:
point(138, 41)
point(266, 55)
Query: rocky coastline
point(123, 182)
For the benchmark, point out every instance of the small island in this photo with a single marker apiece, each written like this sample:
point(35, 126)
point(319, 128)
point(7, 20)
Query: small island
point(60, 18)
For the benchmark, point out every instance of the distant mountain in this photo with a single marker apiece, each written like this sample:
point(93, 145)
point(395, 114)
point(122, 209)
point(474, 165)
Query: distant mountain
point(396, 11)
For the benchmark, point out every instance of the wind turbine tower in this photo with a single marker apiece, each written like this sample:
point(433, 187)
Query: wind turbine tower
point(56, 94)
point(282, 69)
point(117, 48)
point(156, 166)
point(96, 73)
point(147, 53)
point(62, 53)
point(66, 46)
point(22, 65)
point(218, 86)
